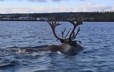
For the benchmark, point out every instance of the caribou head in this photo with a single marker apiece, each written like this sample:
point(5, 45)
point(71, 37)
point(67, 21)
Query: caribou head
point(71, 34)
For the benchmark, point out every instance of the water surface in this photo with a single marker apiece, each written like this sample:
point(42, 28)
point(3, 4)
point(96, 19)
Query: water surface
point(97, 39)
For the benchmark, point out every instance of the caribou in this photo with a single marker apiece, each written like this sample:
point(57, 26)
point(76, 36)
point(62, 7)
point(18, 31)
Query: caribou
point(69, 45)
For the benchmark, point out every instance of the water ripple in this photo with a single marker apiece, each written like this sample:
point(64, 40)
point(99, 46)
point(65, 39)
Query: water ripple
point(96, 37)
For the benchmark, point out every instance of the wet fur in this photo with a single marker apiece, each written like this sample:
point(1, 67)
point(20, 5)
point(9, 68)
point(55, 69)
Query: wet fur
point(64, 48)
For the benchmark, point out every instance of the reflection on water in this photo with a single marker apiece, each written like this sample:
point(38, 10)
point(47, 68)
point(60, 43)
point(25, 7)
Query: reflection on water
point(97, 56)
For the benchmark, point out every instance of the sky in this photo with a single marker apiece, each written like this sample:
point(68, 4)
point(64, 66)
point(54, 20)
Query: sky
point(50, 6)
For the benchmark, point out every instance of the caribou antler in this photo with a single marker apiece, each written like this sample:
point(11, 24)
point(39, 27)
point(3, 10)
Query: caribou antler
point(72, 34)
point(75, 22)
point(53, 23)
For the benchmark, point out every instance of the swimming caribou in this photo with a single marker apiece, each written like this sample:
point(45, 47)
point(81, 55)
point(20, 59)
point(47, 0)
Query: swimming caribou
point(68, 45)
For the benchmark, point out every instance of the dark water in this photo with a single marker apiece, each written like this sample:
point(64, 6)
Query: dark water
point(97, 39)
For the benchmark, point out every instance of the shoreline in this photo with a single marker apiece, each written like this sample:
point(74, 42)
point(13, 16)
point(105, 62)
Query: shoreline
point(61, 21)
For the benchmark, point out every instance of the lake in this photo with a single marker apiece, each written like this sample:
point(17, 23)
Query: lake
point(97, 39)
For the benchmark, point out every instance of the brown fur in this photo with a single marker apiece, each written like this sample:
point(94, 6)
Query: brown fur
point(54, 48)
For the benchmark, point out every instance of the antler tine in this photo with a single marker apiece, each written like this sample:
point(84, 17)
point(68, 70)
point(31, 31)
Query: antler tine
point(73, 20)
point(62, 32)
point(75, 34)
point(79, 20)
point(76, 21)
point(52, 22)
point(72, 33)
point(67, 33)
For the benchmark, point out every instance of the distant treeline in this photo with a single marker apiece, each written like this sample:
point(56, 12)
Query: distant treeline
point(88, 16)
